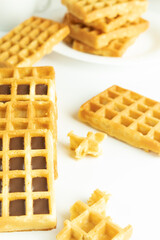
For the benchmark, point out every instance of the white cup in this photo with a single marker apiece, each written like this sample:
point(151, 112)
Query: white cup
point(13, 12)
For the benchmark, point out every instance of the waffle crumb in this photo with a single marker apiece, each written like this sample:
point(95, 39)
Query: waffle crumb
point(88, 145)
point(89, 221)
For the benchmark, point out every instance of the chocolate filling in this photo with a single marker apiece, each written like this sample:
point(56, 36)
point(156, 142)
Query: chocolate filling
point(16, 143)
point(38, 162)
point(23, 89)
point(40, 206)
point(16, 163)
point(41, 89)
point(16, 185)
point(38, 143)
point(5, 89)
point(17, 208)
point(39, 184)
point(1, 164)
point(1, 144)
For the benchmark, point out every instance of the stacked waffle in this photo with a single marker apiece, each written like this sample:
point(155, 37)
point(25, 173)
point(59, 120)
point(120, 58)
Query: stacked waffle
point(104, 27)
point(28, 136)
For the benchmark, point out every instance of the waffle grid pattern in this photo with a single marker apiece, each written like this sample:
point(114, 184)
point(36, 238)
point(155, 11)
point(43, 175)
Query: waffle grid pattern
point(28, 194)
point(30, 41)
point(90, 222)
point(27, 115)
point(90, 10)
point(130, 111)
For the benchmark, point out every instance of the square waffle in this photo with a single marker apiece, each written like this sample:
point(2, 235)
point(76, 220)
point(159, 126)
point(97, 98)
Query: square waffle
point(28, 100)
point(97, 39)
point(115, 48)
point(125, 115)
point(30, 41)
point(108, 24)
point(27, 200)
point(88, 222)
point(91, 10)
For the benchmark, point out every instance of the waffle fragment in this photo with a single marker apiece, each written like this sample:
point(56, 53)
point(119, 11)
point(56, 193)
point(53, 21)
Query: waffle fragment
point(89, 221)
point(86, 145)
point(125, 115)
point(30, 41)
point(89, 11)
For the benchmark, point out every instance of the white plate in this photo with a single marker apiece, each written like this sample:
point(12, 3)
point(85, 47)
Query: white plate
point(145, 49)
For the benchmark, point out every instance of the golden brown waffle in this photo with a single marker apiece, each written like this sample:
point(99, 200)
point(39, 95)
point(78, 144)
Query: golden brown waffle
point(89, 222)
point(30, 41)
point(27, 200)
point(108, 24)
point(89, 11)
point(86, 145)
point(97, 39)
point(115, 48)
point(5, 65)
point(125, 115)
point(28, 100)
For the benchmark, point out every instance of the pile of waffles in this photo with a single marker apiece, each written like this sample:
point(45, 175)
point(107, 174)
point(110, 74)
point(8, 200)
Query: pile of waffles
point(104, 27)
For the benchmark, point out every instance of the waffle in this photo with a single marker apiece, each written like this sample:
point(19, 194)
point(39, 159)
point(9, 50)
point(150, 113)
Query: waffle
point(91, 10)
point(27, 200)
point(97, 39)
point(88, 145)
point(125, 115)
point(88, 222)
point(5, 65)
point(115, 48)
point(107, 24)
point(30, 41)
point(28, 100)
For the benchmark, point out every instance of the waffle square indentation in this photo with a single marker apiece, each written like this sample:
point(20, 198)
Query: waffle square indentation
point(17, 185)
point(17, 207)
point(16, 143)
point(41, 206)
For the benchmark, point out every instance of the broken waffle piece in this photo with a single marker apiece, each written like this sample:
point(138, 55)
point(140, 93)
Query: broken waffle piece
point(86, 145)
point(30, 41)
point(125, 115)
point(89, 221)
point(89, 11)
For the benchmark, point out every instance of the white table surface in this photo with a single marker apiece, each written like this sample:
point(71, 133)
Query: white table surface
point(129, 174)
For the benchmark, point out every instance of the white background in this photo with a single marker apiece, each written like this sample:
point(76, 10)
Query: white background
point(132, 176)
